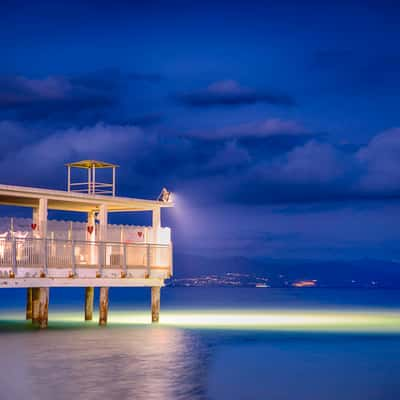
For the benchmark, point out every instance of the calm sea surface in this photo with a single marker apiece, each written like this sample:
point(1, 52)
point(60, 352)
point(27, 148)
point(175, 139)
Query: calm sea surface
point(210, 344)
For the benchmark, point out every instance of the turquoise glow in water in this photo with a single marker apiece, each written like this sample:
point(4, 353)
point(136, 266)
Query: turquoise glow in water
point(331, 321)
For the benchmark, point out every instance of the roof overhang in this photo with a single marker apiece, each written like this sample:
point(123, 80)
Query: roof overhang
point(86, 164)
point(71, 201)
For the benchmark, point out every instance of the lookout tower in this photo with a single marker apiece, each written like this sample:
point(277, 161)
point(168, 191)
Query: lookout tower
point(91, 186)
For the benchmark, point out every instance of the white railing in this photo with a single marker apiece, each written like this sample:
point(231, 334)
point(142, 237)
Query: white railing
point(46, 254)
point(11, 227)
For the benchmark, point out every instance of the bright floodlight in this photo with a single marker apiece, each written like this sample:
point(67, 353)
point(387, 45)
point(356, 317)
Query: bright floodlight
point(165, 196)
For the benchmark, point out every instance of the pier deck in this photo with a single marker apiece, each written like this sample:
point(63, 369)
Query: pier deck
point(40, 253)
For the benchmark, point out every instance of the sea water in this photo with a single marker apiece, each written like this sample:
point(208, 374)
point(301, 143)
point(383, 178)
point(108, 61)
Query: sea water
point(220, 343)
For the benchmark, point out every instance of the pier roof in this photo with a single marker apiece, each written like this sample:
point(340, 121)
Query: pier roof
point(91, 163)
point(71, 201)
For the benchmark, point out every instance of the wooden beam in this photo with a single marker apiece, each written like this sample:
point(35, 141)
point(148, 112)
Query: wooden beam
point(35, 304)
point(71, 201)
point(89, 296)
point(29, 304)
point(44, 307)
point(9, 283)
point(155, 304)
point(103, 307)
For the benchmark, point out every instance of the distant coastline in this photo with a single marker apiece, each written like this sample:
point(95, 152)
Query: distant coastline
point(200, 271)
point(231, 279)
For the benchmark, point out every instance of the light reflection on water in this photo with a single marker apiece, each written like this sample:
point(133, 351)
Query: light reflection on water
point(113, 363)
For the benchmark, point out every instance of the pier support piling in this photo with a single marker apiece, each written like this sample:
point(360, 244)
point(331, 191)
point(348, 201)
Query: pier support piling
point(44, 307)
point(89, 296)
point(28, 304)
point(103, 308)
point(35, 304)
point(155, 304)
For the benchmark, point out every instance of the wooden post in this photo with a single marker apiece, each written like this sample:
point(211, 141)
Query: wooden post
point(113, 181)
point(89, 295)
point(155, 304)
point(35, 304)
point(91, 237)
point(41, 215)
point(103, 221)
point(44, 307)
point(69, 178)
point(103, 306)
point(156, 222)
point(29, 303)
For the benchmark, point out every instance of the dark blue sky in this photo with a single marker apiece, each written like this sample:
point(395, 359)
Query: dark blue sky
point(277, 123)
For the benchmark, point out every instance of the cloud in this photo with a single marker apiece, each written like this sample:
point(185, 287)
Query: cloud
point(231, 93)
point(230, 156)
point(261, 139)
point(42, 162)
point(381, 159)
point(321, 172)
point(218, 171)
point(21, 92)
point(259, 129)
point(145, 77)
point(149, 159)
point(312, 163)
point(142, 121)
point(13, 136)
point(58, 97)
point(312, 172)
point(81, 100)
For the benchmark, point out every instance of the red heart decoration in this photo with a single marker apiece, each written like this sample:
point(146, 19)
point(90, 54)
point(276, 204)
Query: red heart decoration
point(90, 229)
point(33, 226)
point(140, 234)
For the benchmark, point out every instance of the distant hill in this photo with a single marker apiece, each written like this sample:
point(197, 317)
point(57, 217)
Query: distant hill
point(280, 273)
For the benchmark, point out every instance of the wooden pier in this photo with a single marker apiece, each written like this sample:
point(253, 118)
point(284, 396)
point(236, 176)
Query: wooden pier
point(40, 253)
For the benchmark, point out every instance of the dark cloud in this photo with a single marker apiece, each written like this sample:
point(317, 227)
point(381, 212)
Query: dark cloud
point(313, 172)
point(321, 172)
point(145, 77)
point(231, 93)
point(82, 100)
point(258, 129)
point(261, 138)
point(110, 80)
point(54, 96)
point(13, 136)
point(41, 161)
point(380, 157)
point(215, 170)
point(142, 121)
point(264, 148)
point(19, 92)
